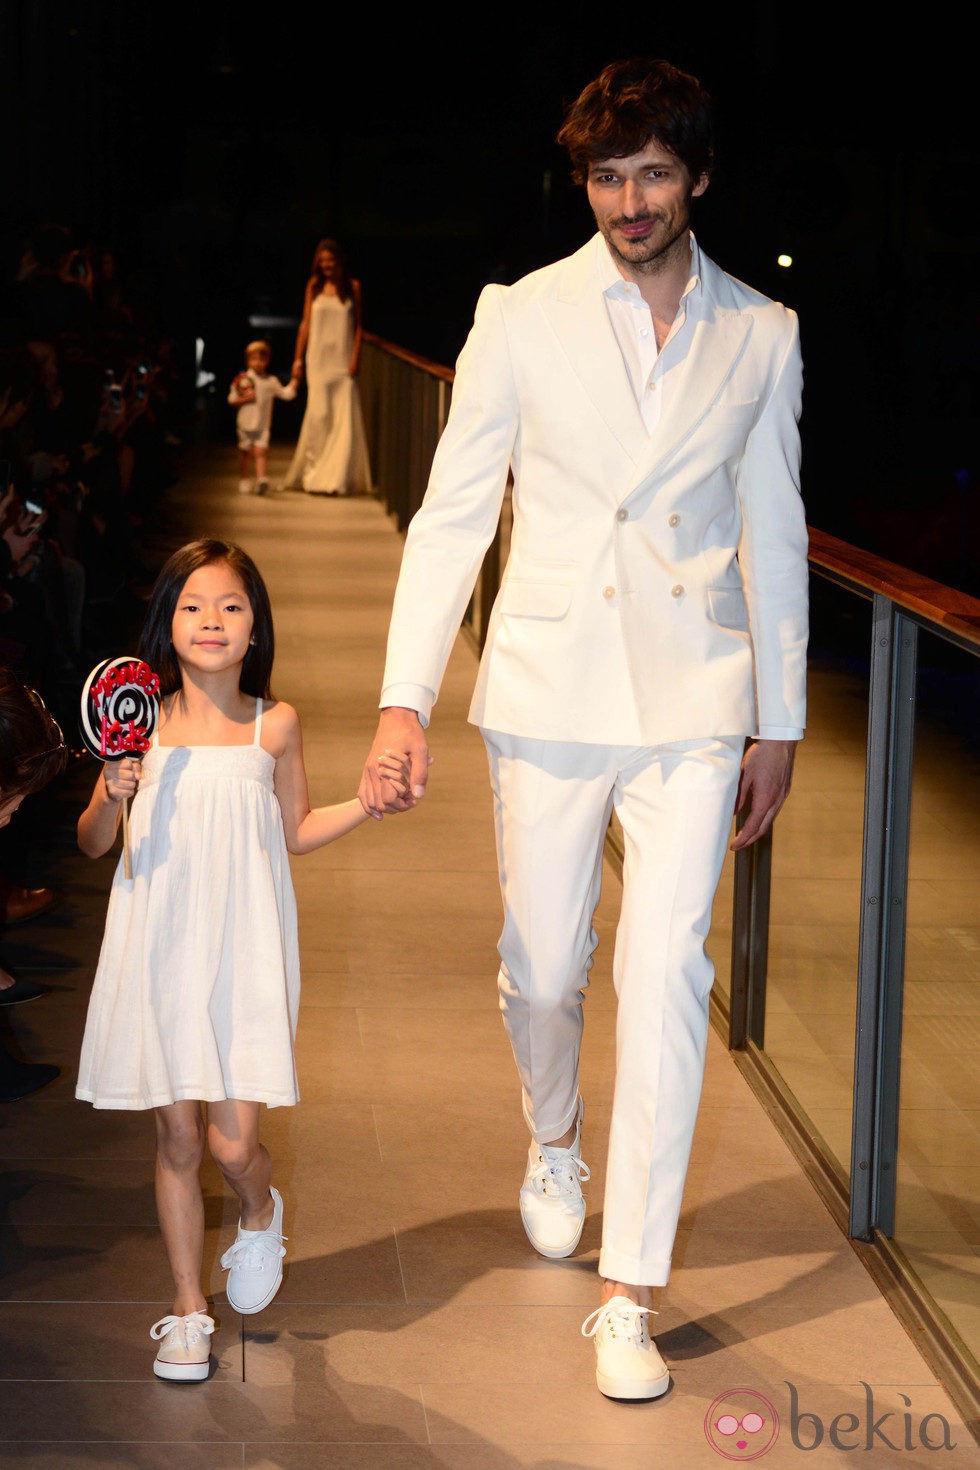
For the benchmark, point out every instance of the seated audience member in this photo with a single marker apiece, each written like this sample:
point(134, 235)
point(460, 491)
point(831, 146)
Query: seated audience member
point(32, 752)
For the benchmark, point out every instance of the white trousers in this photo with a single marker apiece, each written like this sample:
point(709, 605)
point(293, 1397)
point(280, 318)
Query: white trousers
point(552, 802)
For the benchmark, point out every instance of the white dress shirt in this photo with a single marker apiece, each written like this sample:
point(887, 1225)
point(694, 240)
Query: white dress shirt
point(650, 370)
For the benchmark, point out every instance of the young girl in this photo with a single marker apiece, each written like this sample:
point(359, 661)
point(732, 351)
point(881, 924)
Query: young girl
point(197, 988)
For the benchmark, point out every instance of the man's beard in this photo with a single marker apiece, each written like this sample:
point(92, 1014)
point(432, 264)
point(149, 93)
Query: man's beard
point(654, 253)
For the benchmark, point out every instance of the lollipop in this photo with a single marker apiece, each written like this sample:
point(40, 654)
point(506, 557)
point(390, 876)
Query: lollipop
point(120, 699)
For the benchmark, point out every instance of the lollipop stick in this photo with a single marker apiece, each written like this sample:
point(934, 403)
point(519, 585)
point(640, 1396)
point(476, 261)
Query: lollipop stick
point(127, 860)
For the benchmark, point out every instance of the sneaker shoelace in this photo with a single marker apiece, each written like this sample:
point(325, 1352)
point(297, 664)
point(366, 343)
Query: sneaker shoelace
point(621, 1321)
point(256, 1252)
point(564, 1175)
point(190, 1328)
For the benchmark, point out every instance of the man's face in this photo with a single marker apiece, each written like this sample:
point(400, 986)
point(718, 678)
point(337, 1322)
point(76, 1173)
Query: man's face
point(642, 205)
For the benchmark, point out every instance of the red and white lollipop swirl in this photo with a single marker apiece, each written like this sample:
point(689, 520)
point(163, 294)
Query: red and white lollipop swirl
point(120, 702)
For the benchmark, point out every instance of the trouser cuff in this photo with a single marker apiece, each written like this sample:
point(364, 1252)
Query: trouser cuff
point(633, 1270)
point(545, 1135)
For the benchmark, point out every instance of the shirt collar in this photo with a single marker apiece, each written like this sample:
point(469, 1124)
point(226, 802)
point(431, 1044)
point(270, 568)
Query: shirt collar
point(612, 283)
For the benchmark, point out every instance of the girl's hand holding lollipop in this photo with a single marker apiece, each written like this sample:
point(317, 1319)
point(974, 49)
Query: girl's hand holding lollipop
point(122, 779)
point(120, 702)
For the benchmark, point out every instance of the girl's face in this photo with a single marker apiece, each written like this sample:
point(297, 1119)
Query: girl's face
point(212, 620)
point(327, 262)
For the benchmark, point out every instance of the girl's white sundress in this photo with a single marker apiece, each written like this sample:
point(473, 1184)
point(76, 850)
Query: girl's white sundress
point(197, 988)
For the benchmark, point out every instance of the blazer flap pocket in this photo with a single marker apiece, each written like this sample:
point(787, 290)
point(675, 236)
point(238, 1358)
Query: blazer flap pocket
point(535, 599)
point(726, 606)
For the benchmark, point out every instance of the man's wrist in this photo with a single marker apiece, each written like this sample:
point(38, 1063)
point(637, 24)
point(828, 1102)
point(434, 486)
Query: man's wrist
point(400, 709)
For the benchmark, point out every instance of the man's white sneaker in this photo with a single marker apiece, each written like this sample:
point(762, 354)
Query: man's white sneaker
point(255, 1263)
point(628, 1365)
point(552, 1204)
point(244, 487)
point(184, 1355)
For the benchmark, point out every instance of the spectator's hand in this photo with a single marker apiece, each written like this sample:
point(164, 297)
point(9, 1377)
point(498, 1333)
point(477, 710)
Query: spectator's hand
point(122, 778)
point(21, 544)
point(31, 522)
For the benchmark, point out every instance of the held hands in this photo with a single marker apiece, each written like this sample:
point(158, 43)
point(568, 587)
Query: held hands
point(767, 770)
point(394, 770)
point(122, 779)
point(400, 739)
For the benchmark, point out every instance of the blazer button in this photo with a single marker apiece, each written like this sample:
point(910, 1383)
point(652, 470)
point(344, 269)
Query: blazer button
point(674, 520)
point(622, 515)
point(677, 591)
point(608, 592)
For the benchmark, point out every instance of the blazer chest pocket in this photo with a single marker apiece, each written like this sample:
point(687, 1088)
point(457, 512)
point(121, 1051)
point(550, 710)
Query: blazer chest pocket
point(727, 608)
point(535, 599)
point(730, 424)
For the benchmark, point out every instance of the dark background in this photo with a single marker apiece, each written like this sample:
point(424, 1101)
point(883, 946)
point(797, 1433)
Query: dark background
point(211, 151)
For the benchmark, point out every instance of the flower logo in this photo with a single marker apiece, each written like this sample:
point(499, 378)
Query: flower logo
point(741, 1424)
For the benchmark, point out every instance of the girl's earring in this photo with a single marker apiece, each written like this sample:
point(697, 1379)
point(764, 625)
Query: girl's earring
point(251, 643)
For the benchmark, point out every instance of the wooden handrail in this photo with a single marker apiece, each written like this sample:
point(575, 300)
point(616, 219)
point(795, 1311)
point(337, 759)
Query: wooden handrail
point(435, 369)
point(956, 612)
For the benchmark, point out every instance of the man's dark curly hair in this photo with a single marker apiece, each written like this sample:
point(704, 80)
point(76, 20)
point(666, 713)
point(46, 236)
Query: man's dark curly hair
point(629, 103)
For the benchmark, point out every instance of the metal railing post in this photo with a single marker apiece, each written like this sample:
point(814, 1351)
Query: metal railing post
point(750, 943)
point(881, 949)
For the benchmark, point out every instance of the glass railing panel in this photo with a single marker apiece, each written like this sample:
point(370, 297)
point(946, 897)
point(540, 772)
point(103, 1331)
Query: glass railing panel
point(815, 907)
point(937, 1216)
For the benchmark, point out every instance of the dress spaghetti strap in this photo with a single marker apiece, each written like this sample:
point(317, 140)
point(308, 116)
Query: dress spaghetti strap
point(257, 737)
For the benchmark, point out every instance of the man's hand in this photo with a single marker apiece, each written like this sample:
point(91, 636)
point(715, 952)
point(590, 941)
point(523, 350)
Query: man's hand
point(399, 733)
point(767, 770)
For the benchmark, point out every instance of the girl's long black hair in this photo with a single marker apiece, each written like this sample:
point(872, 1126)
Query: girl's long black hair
point(156, 641)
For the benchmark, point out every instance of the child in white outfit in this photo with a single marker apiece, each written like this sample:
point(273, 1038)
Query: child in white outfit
point(253, 392)
point(194, 1005)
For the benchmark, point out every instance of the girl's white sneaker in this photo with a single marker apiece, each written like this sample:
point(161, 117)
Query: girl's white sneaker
point(184, 1355)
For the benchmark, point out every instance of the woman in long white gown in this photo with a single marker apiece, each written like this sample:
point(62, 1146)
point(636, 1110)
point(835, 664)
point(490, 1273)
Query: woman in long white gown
point(331, 455)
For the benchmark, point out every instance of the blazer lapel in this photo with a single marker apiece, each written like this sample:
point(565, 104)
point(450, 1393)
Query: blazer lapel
point(718, 342)
point(577, 313)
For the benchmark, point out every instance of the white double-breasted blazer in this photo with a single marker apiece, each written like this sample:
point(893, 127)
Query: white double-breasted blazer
point(656, 586)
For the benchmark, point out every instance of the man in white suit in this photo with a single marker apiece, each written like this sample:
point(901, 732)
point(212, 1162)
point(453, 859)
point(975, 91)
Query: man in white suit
point(646, 652)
